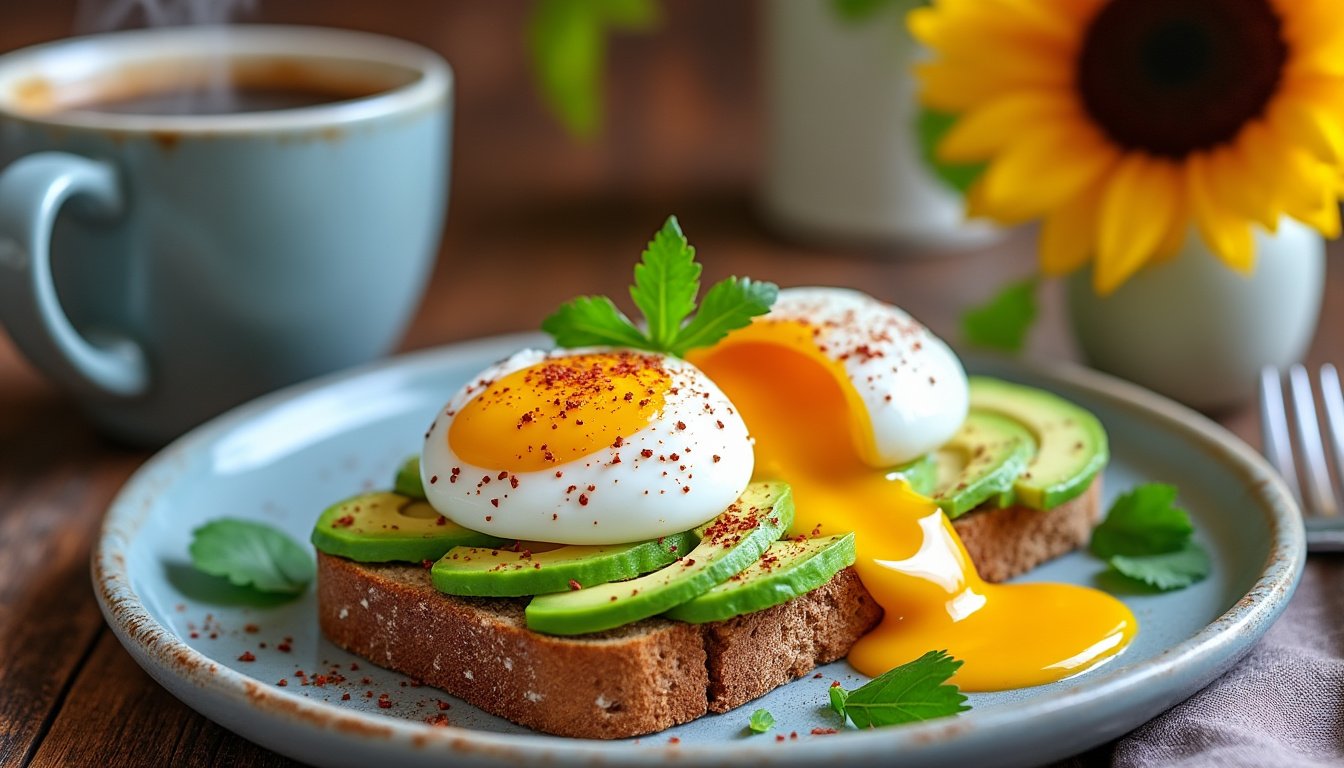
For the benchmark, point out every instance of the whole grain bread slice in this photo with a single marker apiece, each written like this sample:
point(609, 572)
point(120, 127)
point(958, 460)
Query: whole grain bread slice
point(647, 676)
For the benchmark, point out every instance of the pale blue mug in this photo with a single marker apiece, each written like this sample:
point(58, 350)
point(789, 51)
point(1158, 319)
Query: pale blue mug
point(164, 268)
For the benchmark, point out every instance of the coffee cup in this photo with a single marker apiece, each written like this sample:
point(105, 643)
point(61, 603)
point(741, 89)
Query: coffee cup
point(191, 217)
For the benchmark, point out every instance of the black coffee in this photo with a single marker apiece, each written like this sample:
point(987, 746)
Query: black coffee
point(218, 101)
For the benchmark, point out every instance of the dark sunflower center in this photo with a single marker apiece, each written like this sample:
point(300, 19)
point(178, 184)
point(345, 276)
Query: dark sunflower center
point(1171, 77)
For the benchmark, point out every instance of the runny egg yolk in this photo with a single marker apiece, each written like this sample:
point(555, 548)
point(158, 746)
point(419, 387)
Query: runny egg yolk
point(800, 407)
point(559, 410)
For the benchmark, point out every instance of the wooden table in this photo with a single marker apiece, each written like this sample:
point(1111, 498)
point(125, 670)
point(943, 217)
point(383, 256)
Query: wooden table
point(535, 219)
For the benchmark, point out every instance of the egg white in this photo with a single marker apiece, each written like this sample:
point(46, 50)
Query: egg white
point(596, 500)
point(910, 382)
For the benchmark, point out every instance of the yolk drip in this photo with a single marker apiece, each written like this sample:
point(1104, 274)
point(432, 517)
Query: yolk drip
point(800, 408)
point(559, 410)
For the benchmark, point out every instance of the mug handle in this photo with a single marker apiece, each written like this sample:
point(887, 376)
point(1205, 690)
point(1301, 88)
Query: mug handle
point(32, 191)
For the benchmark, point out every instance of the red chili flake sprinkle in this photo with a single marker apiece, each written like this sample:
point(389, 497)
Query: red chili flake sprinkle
point(834, 683)
point(555, 516)
point(494, 503)
point(319, 680)
point(613, 598)
point(592, 488)
point(251, 629)
point(823, 731)
point(438, 721)
point(503, 475)
point(384, 704)
point(685, 488)
point(571, 489)
point(779, 737)
point(817, 676)
point(681, 425)
point(674, 457)
point(247, 656)
point(718, 423)
point(620, 441)
point(574, 585)
point(195, 635)
point(488, 518)
point(426, 564)
point(674, 740)
point(282, 682)
point(433, 479)
point(646, 453)
point(368, 694)
point(793, 735)
point(442, 705)
point(441, 521)
point(583, 499)
point(688, 562)
point(214, 635)
point(365, 680)
point(716, 458)
point(629, 396)
point(354, 667)
point(283, 647)
point(345, 697)
point(345, 521)
point(513, 481)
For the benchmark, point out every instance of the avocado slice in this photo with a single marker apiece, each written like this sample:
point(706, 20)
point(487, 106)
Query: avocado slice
point(407, 481)
point(1071, 444)
point(921, 474)
point(982, 461)
point(383, 527)
point(728, 544)
point(788, 569)
point(484, 572)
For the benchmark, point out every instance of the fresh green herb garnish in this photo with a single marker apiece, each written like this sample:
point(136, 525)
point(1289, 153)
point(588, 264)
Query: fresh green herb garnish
point(761, 721)
point(838, 696)
point(251, 554)
point(667, 281)
point(568, 43)
point(1147, 537)
point(1171, 570)
point(906, 694)
point(1002, 323)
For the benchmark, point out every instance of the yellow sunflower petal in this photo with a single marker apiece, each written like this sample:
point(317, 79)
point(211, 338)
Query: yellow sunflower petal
point(986, 130)
point(1137, 209)
point(1069, 235)
point(1305, 124)
point(1245, 179)
point(1224, 232)
point(1045, 169)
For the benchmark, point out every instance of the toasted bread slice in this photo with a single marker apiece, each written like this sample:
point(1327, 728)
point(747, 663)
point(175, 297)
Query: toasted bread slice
point(650, 675)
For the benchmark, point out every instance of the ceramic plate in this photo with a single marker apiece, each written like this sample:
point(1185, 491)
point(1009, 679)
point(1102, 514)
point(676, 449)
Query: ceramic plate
point(283, 458)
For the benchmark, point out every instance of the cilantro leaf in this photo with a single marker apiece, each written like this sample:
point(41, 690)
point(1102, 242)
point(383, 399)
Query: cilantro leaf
point(567, 42)
point(251, 554)
point(593, 321)
point(1170, 570)
point(908, 693)
point(761, 721)
point(1002, 323)
point(730, 304)
point(1143, 522)
point(838, 697)
point(667, 281)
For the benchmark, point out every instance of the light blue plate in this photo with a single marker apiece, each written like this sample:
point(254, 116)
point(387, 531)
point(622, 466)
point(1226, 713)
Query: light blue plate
point(283, 458)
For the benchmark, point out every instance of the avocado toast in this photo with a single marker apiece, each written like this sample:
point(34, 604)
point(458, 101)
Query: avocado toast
point(718, 618)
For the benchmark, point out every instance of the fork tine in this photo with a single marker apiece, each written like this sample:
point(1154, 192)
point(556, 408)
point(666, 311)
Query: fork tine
point(1333, 398)
point(1318, 489)
point(1274, 428)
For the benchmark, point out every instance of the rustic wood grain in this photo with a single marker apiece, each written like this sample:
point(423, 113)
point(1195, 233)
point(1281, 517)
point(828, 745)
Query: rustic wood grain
point(535, 219)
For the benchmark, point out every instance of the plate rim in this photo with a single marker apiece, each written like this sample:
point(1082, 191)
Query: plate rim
point(162, 652)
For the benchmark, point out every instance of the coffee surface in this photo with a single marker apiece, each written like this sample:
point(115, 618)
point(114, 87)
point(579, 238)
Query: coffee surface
point(221, 100)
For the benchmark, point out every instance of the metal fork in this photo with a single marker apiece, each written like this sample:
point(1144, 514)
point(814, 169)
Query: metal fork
point(1321, 506)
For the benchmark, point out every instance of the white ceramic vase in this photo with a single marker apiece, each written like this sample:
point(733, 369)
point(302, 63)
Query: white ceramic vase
point(842, 153)
point(1199, 332)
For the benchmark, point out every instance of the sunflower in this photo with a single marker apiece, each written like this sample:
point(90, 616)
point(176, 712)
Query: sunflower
point(1121, 123)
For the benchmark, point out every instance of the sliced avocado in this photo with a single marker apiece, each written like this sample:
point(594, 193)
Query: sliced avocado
point(921, 474)
point(408, 482)
point(982, 461)
point(1071, 444)
point(483, 572)
point(788, 569)
point(728, 544)
point(384, 527)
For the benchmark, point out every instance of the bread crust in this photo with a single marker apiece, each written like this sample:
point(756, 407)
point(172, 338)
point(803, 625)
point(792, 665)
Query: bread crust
point(656, 673)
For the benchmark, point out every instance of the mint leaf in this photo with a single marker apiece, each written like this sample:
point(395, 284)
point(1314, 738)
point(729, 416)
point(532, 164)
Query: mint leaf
point(667, 280)
point(567, 42)
point(838, 696)
point(1171, 570)
point(730, 304)
point(761, 721)
point(931, 127)
point(1002, 323)
point(251, 554)
point(589, 321)
point(1143, 522)
point(908, 693)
